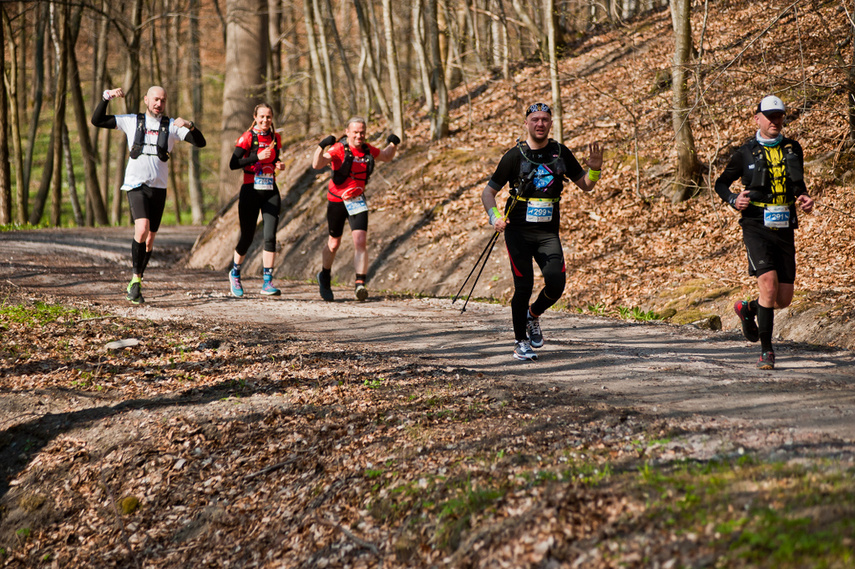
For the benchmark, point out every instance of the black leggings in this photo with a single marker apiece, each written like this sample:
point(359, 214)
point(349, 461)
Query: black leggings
point(524, 246)
point(337, 214)
point(249, 204)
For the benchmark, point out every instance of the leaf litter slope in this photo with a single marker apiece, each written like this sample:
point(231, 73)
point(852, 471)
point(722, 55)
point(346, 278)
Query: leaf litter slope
point(263, 432)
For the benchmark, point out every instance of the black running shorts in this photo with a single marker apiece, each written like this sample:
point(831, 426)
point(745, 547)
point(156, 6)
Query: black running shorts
point(337, 213)
point(769, 250)
point(147, 203)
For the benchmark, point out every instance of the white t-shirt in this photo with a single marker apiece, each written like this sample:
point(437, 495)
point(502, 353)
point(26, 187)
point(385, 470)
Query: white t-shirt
point(147, 169)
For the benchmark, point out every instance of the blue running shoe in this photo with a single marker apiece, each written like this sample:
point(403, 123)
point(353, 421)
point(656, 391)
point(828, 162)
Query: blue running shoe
point(234, 284)
point(268, 289)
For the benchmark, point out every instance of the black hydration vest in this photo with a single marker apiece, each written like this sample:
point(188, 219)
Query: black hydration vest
point(254, 147)
point(523, 186)
point(162, 138)
point(339, 176)
point(760, 183)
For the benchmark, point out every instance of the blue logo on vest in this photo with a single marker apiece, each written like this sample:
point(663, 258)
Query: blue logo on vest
point(543, 177)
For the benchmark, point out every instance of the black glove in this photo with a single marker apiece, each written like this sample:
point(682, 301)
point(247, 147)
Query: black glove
point(393, 139)
point(327, 141)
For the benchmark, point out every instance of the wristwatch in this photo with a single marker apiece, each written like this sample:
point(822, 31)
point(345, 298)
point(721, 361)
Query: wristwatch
point(191, 125)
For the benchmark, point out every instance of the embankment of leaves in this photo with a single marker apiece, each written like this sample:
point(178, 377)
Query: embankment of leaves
point(245, 446)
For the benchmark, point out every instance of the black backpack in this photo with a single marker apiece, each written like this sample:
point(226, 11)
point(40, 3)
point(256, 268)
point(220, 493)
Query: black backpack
point(162, 138)
point(340, 175)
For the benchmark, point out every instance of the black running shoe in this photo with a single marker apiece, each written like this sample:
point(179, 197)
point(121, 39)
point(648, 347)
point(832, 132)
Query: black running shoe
point(325, 287)
point(749, 326)
point(535, 334)
point(767, 360)
point(135, 292)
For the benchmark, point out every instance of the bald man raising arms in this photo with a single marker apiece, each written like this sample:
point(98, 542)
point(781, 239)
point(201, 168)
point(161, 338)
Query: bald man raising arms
point(151, 136)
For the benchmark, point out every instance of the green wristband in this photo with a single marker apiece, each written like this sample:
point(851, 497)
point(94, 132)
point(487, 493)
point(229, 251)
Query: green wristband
point(593, 175)
point(494, 215)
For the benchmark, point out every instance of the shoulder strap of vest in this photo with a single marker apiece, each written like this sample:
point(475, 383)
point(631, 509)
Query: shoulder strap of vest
point(139, 136)
point(163, 139)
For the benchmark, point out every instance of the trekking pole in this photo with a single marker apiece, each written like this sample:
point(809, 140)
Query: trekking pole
point(478, 276)
point(475, 266)
point(841, 212)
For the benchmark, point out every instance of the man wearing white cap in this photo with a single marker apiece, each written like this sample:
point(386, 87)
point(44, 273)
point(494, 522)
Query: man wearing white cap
point(772, 170)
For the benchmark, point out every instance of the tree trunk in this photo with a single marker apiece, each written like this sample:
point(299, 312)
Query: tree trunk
point(342, 55)
point(5, 174)
point(59, 33)
point(72, 181)
point(371, 62)
point(392, 63)
point(557, 109)
point(13, 88)
point(90, 170)
point(273, 74)
point(535, 30)
point(38, 95)
point(419, 47)
point(325, 57)
point(194, 170)
point(439, 120)
point(688, 166)
point(318, 72)
point(850, 96)
point(246, 57)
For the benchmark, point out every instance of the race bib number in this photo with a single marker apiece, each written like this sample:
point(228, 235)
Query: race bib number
point(776, 216)
point(263, 182)
point(539, 211)
point(356, 205)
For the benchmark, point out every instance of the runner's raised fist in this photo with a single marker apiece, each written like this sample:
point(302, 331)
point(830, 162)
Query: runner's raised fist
point(393, 139)
point(327, 141)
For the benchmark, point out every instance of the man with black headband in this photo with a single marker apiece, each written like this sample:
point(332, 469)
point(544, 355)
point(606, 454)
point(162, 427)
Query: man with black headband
point(772, 170)
point(536, 170)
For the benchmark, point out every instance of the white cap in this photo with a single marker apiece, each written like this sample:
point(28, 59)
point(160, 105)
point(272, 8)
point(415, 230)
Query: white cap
point(771, 104)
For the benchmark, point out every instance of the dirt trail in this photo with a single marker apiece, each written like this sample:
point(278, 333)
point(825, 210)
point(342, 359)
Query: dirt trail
point(664, 370)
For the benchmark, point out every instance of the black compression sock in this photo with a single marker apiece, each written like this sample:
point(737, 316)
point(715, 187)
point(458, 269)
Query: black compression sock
point(138, 257)
point(360, 278)
point(765, 325)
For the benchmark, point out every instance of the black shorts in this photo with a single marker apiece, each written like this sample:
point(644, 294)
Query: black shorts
point(337, 213)
point(769, 250)
point(147, 203)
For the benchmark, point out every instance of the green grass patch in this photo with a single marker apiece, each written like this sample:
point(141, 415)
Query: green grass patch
point(40, 313)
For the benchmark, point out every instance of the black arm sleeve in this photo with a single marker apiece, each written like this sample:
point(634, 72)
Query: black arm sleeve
point(731, 173)
point(100, 118)
point(196, 138)
point(238, 160)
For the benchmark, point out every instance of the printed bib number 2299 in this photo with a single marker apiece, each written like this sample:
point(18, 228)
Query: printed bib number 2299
point(539, 211)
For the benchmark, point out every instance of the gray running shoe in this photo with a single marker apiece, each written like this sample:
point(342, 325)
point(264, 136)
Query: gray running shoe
point(325, 287)
point(523, 351)
point(535, 334)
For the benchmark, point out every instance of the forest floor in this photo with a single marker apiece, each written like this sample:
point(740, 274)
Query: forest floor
point(290, 432)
